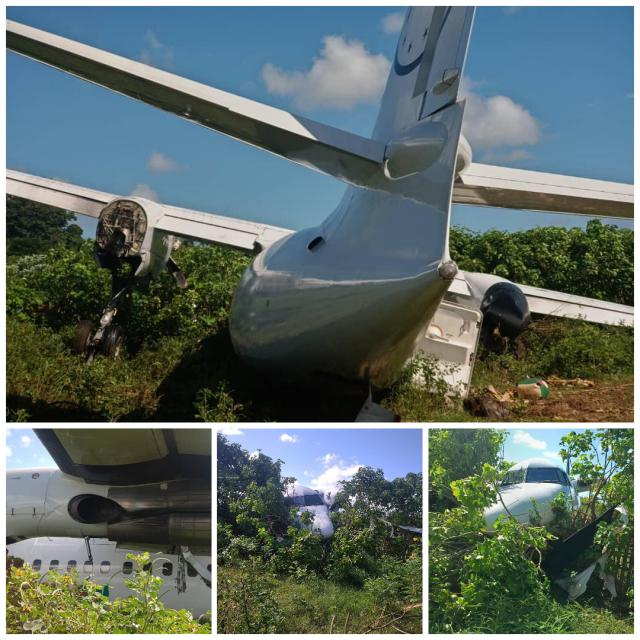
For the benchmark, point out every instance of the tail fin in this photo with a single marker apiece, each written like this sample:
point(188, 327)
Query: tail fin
point(427, 67)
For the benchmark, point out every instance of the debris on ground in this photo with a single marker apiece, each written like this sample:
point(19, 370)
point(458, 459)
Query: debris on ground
point(486, 405)
point(533, 389)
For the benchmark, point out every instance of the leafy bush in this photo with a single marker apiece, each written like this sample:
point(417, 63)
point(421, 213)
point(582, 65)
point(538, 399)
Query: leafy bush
point(596, 262)
point(246, 603)
point(63, 604)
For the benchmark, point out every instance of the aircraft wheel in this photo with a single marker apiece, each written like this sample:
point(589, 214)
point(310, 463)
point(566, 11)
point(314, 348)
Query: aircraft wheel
point(82, 337)
point(113, 341)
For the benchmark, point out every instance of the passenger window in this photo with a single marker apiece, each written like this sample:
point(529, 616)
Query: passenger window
point(127, 568)
point(147, 567)
point(167, 568)
point(105, 566)
point(191, 572)
point(36, 564)
point(71, 565)
point(88, 566)
point(53, 565)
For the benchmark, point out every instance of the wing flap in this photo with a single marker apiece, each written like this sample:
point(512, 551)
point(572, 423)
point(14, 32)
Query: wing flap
point(492, 186)
point(338, 153)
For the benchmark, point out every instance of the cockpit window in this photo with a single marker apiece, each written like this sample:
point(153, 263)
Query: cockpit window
point(313, 500)
point(513, 477)
point(546, 474)
point(296, 501)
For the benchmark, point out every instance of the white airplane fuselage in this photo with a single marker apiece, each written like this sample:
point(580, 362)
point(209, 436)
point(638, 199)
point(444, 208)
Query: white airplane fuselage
point(111, 567)
point(528, 491)
point(348, 298)
point(311, 501)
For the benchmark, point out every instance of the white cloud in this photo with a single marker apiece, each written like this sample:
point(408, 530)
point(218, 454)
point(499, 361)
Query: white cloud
point(285, 437)
point(392, 23)
point(552, 454)
point(230, 431)
point(8, 451)
point(496, 121)
point(160, 163)
point(344, 75)
point(9, 432)
point(25, 441)
point(328, 459)
point(155, 52)
point(305, 472)
point(145, 191)
point(254, 454)
point(522, 437)
point(328, 480)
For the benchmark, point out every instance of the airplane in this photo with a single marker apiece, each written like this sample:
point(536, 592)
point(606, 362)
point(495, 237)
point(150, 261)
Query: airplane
point(104, 563)
point(352, 299)
point(117, 491)
point(529, 487)
point(310, 501)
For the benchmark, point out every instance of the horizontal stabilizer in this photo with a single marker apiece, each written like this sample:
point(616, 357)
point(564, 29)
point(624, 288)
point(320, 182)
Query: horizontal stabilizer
point(492, 186)
point(338, 153)
point(207, 227)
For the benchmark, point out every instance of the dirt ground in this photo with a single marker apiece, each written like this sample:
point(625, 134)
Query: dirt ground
point(604, 402)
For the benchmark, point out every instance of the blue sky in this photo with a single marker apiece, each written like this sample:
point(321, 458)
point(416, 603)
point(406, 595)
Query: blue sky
point(320, 458)
point(536, 443)
point(555, 100)
point(24, 450)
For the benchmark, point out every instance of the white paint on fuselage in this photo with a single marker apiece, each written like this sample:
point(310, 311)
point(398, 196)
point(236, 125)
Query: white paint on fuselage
point(308, 500)
point(107, 568)
point(353, 305)
point(529, 497)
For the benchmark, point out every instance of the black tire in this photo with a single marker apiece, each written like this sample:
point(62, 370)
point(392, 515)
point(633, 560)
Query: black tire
point(82, 337)
point(113, 341)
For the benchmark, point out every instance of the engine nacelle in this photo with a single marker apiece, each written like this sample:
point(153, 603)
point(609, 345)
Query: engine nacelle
point(127, 233)
point(505, 309)
point(45, 502)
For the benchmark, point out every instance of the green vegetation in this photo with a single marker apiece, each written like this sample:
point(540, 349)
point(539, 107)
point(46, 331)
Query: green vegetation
point(480, 583)
point(62, 603)
point(180, 365)
point(34, 228)
point(276, 577)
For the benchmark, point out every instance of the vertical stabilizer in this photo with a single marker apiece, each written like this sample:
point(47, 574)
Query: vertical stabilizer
point(427, 67)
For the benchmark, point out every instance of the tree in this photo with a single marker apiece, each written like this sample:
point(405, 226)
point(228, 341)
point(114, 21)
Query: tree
point(459, 453)
point(34, 228)
point(250, 490)
point(398, 500)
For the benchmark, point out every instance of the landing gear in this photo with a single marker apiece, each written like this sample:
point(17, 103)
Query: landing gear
point(108, 339)
point(113, 341)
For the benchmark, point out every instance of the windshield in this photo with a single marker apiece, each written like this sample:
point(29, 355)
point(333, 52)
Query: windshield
point(544, 475)
point(513, 477)
point(313, 500)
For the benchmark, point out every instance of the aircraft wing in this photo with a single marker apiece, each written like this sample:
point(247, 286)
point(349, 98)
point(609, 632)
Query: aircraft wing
point(126, 456)
point(335, 152)
point(565, 305)
point(492, 186)
point(470, 288)
point(207, 227)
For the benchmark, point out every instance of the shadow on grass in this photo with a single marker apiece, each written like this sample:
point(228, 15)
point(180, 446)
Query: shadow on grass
point(256, 398)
